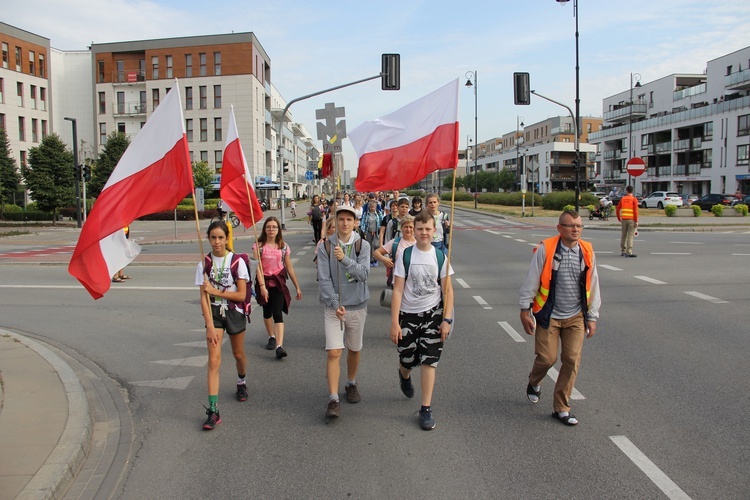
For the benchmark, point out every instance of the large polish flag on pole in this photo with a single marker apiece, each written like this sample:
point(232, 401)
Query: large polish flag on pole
point(236, 182)
point(153, 175)
point(401, 148)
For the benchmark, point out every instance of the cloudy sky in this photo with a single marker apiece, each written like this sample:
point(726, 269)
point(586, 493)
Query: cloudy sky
point(315, 45)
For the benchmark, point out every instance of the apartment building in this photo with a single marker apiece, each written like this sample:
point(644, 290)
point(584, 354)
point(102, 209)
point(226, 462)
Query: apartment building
point(692, 130)
point(25, 97)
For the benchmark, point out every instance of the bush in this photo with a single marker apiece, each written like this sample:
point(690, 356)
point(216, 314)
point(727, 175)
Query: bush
point(12, 209)
point(29, 215)
point(670, 210)
point(741, 208)
point(717, 210)
point(696, 210)
point(181, 215)
point(556, 200)
point(568, 207)
point(459, 196)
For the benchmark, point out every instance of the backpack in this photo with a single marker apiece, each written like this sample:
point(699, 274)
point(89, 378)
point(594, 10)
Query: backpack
point(316, 213)
point(407, 261)
point(357, 246)
point(233, 268)
point(388, 270)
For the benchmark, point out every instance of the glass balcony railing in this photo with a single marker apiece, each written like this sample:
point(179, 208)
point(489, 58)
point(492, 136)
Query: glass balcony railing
point(737, 78)
point(637, 109)
point(129, 108)
point(690, 91)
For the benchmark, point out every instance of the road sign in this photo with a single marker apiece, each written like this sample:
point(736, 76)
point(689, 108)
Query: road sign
point(635, 166)
point(309, 175)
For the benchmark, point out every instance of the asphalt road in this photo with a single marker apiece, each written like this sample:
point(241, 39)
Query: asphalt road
point(661, 396)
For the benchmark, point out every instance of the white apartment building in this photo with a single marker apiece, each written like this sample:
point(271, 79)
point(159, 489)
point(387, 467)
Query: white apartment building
point(71, 94)
point(692, 130)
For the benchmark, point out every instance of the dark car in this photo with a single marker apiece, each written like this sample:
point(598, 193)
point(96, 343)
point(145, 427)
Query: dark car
point(743, 201)
point(712, 199)
point(616, 198)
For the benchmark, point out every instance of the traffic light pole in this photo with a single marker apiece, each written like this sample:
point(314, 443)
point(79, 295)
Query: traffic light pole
point(76, 169)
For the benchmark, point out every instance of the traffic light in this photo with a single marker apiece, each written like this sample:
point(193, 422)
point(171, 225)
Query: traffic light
point(77, 171)
point(521, 89)
point(87, 173)
point(286, 167)
point(390, 73)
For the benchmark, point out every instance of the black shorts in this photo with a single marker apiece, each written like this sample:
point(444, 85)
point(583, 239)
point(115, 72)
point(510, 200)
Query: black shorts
point(233, 321)
point(420, 342)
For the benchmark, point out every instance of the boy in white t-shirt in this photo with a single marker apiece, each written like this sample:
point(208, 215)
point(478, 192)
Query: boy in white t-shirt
point(421, 293)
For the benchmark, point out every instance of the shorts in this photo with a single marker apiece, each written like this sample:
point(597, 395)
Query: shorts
point(233, 322)
point(354, 328)
point(420, 342)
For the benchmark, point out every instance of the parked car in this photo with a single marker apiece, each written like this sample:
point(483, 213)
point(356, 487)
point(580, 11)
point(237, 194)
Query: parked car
point(743, 201)
point(660, 199)
point(599, 194)
point(712, 199)
point(688, 199)
point(618, 196)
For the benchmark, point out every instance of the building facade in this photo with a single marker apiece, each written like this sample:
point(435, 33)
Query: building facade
point(692, 131)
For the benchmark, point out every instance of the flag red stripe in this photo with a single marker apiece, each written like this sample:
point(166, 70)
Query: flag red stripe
point(403, 166)
point(233, 189)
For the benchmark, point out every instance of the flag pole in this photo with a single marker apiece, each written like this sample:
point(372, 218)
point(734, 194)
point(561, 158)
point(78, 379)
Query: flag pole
point(337, 173)
point(200, 242)
point(255, 230)
point(450, 238)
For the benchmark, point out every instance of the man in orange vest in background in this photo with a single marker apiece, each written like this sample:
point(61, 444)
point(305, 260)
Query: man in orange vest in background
point(561, 295)
point(627, 214)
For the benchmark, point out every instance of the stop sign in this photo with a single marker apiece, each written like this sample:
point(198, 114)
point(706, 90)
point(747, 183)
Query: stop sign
point(635, 166)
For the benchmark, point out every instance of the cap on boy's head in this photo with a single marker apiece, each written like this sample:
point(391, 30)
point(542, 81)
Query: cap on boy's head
point(346, 208)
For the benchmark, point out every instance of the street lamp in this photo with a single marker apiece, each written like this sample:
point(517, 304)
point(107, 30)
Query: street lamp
point(75, 168)
point(637, 78)
point(578, 109)
point(472, 75)
point(519, 173)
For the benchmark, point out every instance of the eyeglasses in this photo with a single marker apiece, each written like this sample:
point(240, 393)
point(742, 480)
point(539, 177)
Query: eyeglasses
point(272, 227)
point(571, 226)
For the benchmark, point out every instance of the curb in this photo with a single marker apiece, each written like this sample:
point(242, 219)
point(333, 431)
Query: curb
point(63, 463)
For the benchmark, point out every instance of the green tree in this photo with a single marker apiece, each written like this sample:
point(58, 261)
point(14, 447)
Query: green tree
point(203, 176)
point(448, 182)
point(117, 143)
point(49, 175)
point(507, 179)
point(10, 178)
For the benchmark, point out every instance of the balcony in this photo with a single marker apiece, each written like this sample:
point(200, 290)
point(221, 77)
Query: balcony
point(129, 77)
point(681, 145)
point(637, 110)
point(738, 81)
point(692, 169)
point(129, 108)
point(688, 92)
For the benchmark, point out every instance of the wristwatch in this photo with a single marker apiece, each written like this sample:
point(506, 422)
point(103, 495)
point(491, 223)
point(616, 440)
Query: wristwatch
point(448, 320)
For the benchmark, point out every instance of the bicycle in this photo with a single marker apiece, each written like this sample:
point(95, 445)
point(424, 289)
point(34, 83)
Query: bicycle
point(233, 219)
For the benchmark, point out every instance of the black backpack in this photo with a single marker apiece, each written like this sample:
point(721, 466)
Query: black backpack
point(233, 268)
point(316, 213)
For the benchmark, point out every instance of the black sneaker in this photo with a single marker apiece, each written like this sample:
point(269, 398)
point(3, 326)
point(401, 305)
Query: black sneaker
point(212, 420)
point(271, 343)
point(631, 255)
point(426, 422)
point(352, 394)
point(333, 409)
point(532, 394)
point(241, 392)
point(280, 352)
point(406, 386)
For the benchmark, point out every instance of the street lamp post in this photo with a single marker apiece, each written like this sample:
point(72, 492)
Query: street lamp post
point(75, 167)
point(519, 173)
point(637, 77)
point(472, 75)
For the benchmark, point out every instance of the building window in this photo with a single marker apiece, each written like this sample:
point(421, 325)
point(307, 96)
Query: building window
point(19, 91)
point(189, 129)
point(154, 99)
point(204, 156)
point(708, 131)
point(100, 65)
point(708, 157)
point(202, 63)
point(204, 129)
point(18, 59)
point(202, 96)
point(121, 127)
point(169, 66)
point(188, 65)
point(217, 63)
point(2, 91)
point(155, 67)
point(6, 56)
point(32, 96)
point(43, 98)
point(21, 128)
point(217, 96)
point(121, 103)
point(141, 70)
point(743, 125)
point(742, 152)
point(34, 130)
point(217, 129)
point(32, 62)
point(42, 69)
point(102, 134)
point(2, 120)
point(120, 69)
point(217, 160)
point(23, 158)
point(188, 97)
point(44, 129)
point(192, 157)
point(142, 102)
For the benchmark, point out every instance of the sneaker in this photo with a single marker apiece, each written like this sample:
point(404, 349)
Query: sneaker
point(623, 254)
point(631, 255)
point(406, 386)
point(280, 352)
point(426, 422)
point(532, 394)
point(271, 343)
point(333, 409)
point(241, 392)
point(213, 419)
point(375, 264)
point(352, 394)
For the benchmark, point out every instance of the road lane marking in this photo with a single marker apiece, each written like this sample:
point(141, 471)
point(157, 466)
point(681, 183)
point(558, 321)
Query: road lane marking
point(553, 373)
point(651, 280)
point(490, 222)
point(194, 361)
point(687, 242)
point(200, 343)
point(740, 254)
point(670, 253)
point(498, 233)
point(520, 240)
point(611, 268)
point(295, 260)
point(179, 383)
point(598, 252)
point(511, 331)
point(302, 252)
point(649, 468)
point(533, 244)
point(462, 283)
point(482, 302)
point(507, 236)
point(707, 297)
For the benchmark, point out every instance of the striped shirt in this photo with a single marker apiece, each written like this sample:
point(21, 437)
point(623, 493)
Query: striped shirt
point(569, 265)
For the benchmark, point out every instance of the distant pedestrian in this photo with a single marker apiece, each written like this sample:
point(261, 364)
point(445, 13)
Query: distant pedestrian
point(627, 214)
point(272, 292)
point(315, 217)
point(560, 303)
point(421, 313)
point(442, 222)
point(370, 228)
point(388, 253)
point(416, 206)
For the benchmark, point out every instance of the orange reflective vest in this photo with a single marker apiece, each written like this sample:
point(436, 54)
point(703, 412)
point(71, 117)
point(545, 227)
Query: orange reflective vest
point(627, 209)
point(542, 307)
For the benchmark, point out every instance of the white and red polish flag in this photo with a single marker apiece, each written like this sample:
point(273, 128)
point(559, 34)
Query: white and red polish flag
point(400, 149)
point(236, 181)
point(153, 175)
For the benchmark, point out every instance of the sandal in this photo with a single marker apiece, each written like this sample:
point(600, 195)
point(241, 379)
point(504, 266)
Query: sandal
point(117, 280)
point(568, 419)
point(124, 277)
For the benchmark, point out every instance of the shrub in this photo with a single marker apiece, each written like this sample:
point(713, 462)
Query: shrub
point(741, 208)
point(696, 210)
point(717, 210)
point(459, 196)
point(181, 215)
point(558, 199)
point(29, 215)
point(568, 207)
point(12, 209)
point(591, 208)
point(670, 210)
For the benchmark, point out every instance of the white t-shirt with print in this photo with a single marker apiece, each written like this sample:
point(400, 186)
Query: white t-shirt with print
point(220, 275)
point(421, 290)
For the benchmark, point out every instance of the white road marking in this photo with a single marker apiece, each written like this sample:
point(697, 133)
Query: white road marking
point(295, 260)
point(611, 268)
point(598, 252)
point(200, 343)
point(490, 222)
point(553, 373)
point(482, 302)
point(707, 297)
point(520, 240)
point(740, 254)
point(196, 361)
point(651, 280)
point(179, 383)
point(462, 283)
point(533, 244)
point(686, 242)
point(649, 468)
point(670, 253)
point(118, 287)
point(507, 236)
point(302, 252)
point(498, 233)
point(511, 331)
